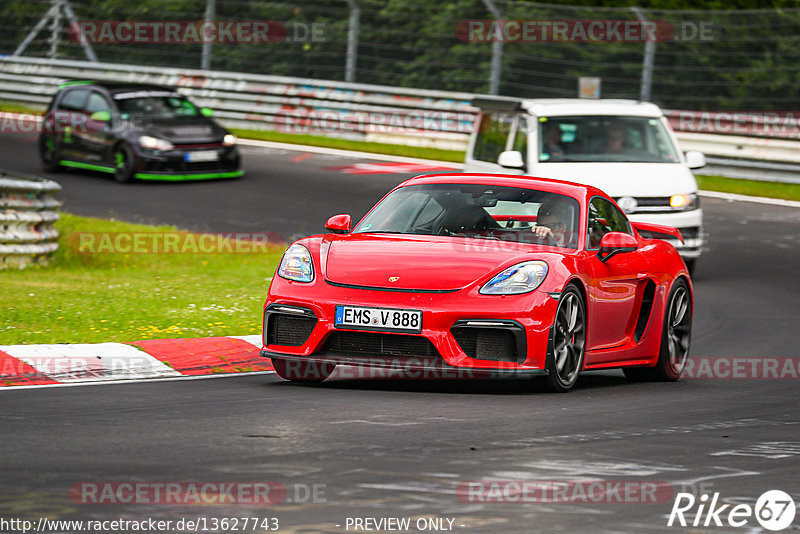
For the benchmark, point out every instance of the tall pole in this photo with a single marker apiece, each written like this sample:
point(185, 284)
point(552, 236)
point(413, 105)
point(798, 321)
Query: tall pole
point(497, 51)
point(205, 61)
point(647, 63)
point(352, 41)
point(55, 31)
point(87, 47)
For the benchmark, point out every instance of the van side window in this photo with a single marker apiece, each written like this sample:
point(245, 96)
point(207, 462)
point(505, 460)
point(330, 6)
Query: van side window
point(604, 217)
point(74, 100)
point(492, 136)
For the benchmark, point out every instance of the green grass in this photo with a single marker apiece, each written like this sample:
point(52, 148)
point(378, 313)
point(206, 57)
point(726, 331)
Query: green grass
point(437, 154)
point(754, 188)
point(14, 107)
point(91, 298)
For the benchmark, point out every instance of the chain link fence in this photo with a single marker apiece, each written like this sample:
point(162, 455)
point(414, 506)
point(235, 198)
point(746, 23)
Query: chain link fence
point(699, 60)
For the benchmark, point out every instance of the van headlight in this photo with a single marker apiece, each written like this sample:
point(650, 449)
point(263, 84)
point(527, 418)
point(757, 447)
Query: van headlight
point(520, 278)
point(685, 202)
point(296, 264)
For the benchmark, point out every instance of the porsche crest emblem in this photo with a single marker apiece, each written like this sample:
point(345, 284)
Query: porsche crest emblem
point(394, 278)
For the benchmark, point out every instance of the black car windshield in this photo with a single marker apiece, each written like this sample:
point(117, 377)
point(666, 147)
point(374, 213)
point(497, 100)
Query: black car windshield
point(476, 211)
point(163, 107)
point(605, 139)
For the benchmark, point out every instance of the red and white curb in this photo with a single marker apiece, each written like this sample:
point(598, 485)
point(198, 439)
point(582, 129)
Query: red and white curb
point(38, 365)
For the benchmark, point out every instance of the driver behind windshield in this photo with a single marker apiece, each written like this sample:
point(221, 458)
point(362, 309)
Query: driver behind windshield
point(552, 221)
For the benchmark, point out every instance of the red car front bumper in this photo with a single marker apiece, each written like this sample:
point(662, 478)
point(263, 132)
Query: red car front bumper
point(463, 329)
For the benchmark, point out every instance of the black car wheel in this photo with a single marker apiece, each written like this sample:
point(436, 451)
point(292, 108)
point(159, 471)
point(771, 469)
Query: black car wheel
point(49, 153)
point(569, 341)
point(675, 339)
point(302, 371)
point(124, 163)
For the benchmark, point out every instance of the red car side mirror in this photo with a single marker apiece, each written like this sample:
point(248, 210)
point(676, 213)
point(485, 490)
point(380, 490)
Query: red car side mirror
point(338, 224)
point(614, 243)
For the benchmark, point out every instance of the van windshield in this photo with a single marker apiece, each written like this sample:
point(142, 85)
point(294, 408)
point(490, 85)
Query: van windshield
point(605, 139)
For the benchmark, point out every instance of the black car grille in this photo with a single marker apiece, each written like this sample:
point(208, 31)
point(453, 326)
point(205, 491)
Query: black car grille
point(290, 330)
point(494, 344)
point(653, 202)
point(380, 345)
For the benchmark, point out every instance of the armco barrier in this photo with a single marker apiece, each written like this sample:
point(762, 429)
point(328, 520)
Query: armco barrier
point(398, 115)
point(27, 213)
point(262, 102)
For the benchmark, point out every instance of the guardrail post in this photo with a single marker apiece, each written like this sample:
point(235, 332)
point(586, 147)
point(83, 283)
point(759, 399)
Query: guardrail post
point(497, 51)
point(205, 61)
point(647, 63)
point(27, 213)
point(352, 41)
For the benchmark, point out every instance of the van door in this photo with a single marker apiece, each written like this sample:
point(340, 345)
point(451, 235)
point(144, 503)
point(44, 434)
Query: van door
point(497, 132)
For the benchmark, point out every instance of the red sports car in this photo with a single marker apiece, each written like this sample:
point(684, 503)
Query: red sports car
point(478, 274)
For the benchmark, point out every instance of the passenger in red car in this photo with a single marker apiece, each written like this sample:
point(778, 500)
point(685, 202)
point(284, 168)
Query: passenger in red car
point(552, 221)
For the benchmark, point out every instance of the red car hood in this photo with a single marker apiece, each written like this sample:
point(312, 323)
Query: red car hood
point(417, 262)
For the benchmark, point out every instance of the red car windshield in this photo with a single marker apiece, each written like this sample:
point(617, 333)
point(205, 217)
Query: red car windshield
point(476, 211)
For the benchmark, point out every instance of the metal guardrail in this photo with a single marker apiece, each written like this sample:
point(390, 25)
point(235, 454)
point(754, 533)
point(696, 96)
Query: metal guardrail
point(260, 102)
point(27, 213)
point(384, 114)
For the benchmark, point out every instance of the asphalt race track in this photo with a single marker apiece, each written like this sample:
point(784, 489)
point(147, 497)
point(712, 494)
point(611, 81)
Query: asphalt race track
point(389, 448)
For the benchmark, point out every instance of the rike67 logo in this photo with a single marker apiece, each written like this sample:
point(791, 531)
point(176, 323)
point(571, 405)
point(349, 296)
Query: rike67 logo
point(774, 510)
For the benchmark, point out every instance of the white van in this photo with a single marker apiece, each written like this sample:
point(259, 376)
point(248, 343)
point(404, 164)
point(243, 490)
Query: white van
point(624, 147)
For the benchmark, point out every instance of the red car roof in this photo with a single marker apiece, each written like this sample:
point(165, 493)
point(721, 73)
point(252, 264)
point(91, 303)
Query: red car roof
point(575, 190)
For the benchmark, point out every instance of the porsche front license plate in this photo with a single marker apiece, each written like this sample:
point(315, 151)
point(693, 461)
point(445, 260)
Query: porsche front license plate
point(382, 319)
point(202, 155)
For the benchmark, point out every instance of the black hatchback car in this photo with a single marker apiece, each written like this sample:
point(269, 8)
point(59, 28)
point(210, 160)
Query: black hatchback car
point(132, 131)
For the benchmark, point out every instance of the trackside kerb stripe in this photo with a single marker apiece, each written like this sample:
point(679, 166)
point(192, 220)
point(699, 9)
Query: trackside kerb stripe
point(14, 372)
point(206, 355)
point(95, 362)
point(65, 364)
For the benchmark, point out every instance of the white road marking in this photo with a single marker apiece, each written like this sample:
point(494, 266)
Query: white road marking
point(137, 380)
point(254, 339)
point(744, 198)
